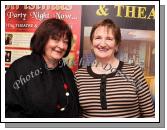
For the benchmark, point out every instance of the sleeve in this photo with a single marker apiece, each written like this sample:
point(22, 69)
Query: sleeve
point(75, 79)
point(13, 98)
point(144, 94)
point(76, 82)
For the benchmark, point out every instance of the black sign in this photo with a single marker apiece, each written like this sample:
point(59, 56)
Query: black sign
point(125, 16)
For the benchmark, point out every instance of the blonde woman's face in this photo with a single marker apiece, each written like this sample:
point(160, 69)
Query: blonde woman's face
point(104, 44)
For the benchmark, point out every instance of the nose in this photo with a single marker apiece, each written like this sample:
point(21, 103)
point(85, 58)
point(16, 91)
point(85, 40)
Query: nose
point(103, 42)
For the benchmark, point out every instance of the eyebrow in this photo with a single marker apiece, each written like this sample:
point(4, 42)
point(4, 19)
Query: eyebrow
point(109, 37)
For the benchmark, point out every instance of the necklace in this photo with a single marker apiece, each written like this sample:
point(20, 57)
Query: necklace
point(67, 94)
point(66, 89)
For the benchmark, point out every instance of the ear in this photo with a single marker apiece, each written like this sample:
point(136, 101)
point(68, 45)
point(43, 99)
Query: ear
point(92, 50)
point(91, 46)
point(116, 48)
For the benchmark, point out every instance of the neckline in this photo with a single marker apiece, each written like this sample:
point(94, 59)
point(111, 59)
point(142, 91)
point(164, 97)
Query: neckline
point(95, 75)
point(51, 69)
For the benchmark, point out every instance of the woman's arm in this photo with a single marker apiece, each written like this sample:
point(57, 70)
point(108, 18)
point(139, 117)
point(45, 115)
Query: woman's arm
point(144, 95)
point(13, 98)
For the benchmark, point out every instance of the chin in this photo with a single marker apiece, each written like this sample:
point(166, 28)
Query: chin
point(56, 58)
point(103, 56)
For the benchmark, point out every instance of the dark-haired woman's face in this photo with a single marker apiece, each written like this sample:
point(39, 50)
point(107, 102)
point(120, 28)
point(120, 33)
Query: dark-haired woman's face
point(55, 49)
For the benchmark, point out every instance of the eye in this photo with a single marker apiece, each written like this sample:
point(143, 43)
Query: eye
point(55, 39)
point(109, 38)
point(97, 37)
point(65, 41)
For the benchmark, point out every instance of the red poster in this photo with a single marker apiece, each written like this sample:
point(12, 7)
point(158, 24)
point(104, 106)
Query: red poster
point(22, 20)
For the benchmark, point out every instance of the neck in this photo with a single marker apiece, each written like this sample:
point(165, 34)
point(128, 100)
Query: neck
point(105, 67)
point(50, 63)
point(112, 61)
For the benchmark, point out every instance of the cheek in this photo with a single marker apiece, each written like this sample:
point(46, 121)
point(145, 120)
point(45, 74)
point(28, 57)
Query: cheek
point(94, 45)
point(50, 45)
point(112, 47)
point(65, 47)
point(47, 49)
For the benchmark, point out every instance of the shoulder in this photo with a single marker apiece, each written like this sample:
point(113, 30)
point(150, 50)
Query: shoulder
point(81, 70)
point(127, 66)
point(18, 67)
point(21, 62)
point(24, 64)
point(131, 70)
point(82, 73)
point(66, 69)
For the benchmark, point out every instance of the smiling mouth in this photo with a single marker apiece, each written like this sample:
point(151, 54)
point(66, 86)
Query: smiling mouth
point(103, 49)
point(57, 51)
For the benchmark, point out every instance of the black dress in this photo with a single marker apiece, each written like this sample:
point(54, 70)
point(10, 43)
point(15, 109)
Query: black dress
point(32, 90)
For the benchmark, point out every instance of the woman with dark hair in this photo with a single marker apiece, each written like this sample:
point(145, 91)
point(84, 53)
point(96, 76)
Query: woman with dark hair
point(40, 84)
point(110, 87)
